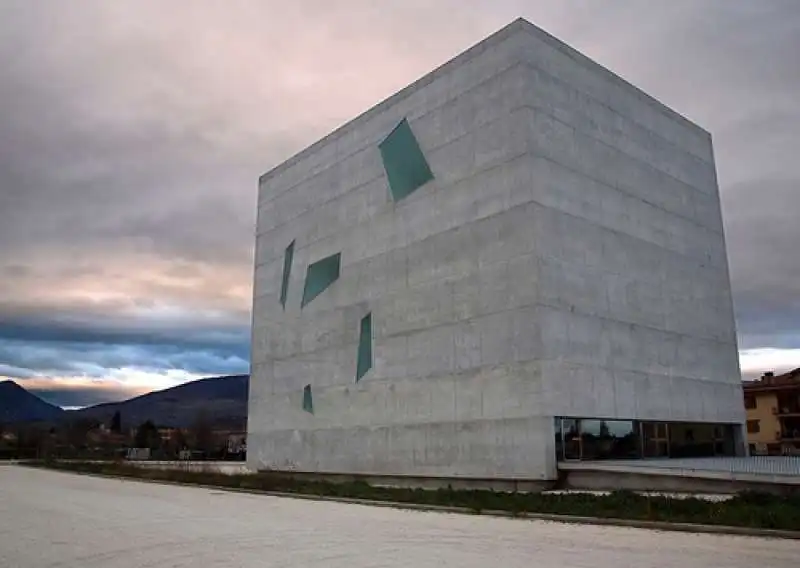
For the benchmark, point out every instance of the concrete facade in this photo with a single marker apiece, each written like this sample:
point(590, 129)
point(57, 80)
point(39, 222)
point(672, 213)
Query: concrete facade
point(567, 259)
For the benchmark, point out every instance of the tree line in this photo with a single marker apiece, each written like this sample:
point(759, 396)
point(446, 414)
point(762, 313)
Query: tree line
point(87, 437)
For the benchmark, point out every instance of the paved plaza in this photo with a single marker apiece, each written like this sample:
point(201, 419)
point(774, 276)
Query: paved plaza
point(52, 519)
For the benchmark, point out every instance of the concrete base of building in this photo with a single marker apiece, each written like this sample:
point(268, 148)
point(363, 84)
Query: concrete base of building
point(599, 480)
point(419, 482)
point(704, 476)
point(710, 475)
point(718, 475)
point(229, 468)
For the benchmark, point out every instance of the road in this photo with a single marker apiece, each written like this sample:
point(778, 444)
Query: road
point(51, 519)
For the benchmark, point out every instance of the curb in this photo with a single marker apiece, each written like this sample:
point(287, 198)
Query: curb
point(568, 519)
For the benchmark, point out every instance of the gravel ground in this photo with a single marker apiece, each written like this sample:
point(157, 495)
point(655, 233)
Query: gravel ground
point(53, 519)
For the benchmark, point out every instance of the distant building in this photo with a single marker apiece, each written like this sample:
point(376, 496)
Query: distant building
point(104, 436)
point(237, 443)
point(772, 404)
point(516, 260)
point(138, 454)
point(168, 434)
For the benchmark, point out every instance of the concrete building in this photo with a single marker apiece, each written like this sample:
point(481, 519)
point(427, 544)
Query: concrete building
point(515, 260)
point(772, 404)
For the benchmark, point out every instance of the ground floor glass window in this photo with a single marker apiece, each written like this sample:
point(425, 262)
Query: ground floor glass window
point(598, 439)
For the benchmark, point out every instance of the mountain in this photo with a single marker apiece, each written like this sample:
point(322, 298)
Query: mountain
point(223, 401)
point(18, 405)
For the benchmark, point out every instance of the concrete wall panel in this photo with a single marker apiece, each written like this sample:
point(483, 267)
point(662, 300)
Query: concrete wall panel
point(567, 259)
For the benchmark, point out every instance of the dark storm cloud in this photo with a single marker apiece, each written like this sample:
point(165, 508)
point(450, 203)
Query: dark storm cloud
point(207, 336)
point(67, 398)
point(763, 235)
point(95, 169)
point(132, 135)
point(93, 360)
point(757, 132)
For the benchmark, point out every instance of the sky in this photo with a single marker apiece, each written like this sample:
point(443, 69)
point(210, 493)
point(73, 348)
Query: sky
point(133, 132)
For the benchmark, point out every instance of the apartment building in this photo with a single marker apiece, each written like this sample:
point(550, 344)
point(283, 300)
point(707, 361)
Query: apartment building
point(772, 404)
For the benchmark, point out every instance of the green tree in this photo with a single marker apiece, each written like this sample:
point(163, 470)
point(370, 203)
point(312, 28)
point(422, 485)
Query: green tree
point(179, 439)
point(202, 432)
point(77, 431)
point(116, 423)
point(175, 443)
point(30, 440)
point(147, 436)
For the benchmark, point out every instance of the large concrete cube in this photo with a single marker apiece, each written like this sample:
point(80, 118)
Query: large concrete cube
point(566, 260)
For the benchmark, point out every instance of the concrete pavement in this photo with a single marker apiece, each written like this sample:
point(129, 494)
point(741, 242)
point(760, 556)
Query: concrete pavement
point(51, 519)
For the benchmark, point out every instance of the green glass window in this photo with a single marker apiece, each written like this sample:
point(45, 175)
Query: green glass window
point(308, 402)
point(364, 363)
point(288, 256)
point(404, 162)
point(320, 275)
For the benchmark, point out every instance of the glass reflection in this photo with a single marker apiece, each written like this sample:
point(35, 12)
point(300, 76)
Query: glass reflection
point(700, 440)
point(559, 438)
point(655, 439)
point(597, 439)
point(570, 429)
point(609, 439)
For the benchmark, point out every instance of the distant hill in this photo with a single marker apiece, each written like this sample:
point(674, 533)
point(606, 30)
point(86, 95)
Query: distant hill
point(222, 399)
point(18, 405)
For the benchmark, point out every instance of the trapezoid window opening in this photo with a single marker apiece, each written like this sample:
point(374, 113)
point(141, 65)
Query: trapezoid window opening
point(288, 257)
point(308, 401)
point(364, 361)
point(319, 276)
point(405, 164)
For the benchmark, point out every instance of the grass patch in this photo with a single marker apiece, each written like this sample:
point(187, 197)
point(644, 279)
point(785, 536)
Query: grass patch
point(754, 510)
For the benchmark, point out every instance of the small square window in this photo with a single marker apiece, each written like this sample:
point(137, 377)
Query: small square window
point(753, 426)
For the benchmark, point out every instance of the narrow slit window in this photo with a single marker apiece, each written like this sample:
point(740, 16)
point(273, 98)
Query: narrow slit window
point(308, 401)
point(364, 362)
point(320, 275)
point(288, 256)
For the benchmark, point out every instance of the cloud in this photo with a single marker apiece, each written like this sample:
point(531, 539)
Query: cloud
point(118, 384)
point(755, 361)
point(132, 135)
